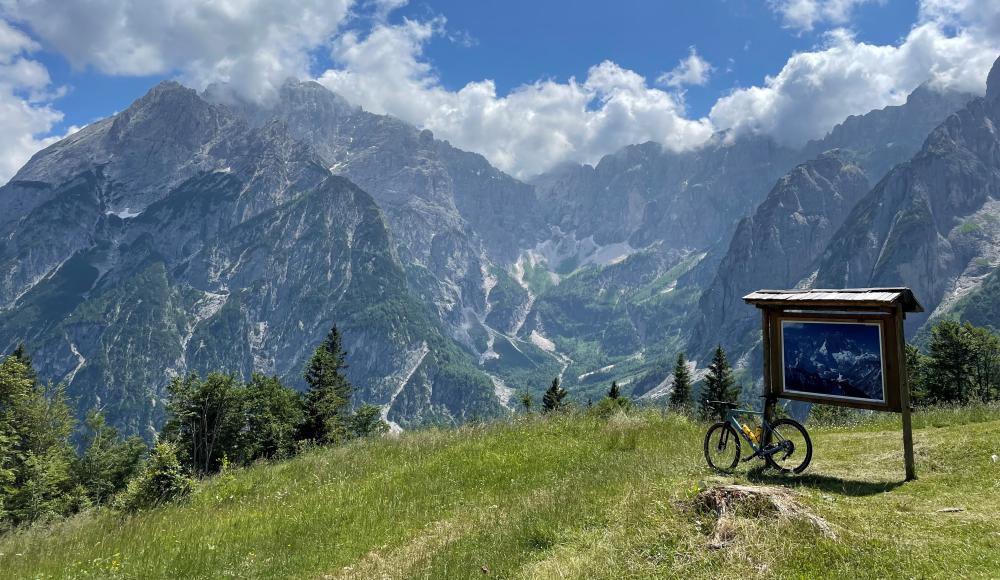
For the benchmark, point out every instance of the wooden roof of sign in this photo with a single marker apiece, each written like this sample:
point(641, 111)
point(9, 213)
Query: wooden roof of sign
point(849, 297)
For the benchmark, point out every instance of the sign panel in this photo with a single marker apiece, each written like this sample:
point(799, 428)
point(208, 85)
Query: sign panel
point(834, 359)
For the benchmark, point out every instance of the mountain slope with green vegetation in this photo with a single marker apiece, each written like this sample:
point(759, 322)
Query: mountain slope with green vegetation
point(566, 496)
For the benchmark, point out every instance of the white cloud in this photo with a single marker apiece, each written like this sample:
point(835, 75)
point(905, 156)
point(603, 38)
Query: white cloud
point(25, 113)
point(693, 70)
point(805, 15)
point(525, 132)
point(252, 44)
point(256, 44)
point(953, 48)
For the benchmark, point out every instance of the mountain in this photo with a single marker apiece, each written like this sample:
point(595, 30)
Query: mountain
point(774, 247)
point(176, 237)
point(200, 231)
point(457, 222)
point(736, 215)
point(880, 139)
point(778, 244)
point(931, 223)
point(646, 193)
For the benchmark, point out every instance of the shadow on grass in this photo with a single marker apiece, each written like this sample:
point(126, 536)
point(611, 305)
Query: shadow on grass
point(839, 485)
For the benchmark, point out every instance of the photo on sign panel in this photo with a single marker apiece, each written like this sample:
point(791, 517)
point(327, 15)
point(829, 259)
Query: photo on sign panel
point(833, 359)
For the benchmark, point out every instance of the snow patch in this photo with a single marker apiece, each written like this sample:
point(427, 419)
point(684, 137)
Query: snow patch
point(125, 213)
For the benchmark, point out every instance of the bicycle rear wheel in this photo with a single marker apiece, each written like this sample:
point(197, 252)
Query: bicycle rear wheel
point(796, 452)
point(722, 447)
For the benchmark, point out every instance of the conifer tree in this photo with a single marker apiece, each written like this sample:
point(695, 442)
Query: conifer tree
point(553, 398)
point(36, 457)
point(680, 395)
point(21, 354)
point(615, 391)
point(719, 385)
point(527, 400)
point(327, 400)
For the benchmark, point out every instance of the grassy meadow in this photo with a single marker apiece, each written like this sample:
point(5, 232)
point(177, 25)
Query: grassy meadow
point(566, 497)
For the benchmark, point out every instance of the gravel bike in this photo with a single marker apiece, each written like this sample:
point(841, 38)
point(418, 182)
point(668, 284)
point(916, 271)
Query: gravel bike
point(783, 444)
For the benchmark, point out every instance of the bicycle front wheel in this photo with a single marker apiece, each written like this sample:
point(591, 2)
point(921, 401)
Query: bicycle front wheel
point(795, 451)
point(722, 447)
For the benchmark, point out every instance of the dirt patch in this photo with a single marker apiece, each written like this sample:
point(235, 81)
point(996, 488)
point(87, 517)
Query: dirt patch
point(730, 502)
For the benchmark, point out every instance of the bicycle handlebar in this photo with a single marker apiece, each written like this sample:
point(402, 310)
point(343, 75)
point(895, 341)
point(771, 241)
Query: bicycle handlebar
point(722, 403)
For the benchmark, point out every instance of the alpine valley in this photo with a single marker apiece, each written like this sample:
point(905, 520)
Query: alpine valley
point(197, 231)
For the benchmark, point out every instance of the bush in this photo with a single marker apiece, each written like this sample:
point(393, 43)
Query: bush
point(161, 481)
point(367, 422)
point(608, 407)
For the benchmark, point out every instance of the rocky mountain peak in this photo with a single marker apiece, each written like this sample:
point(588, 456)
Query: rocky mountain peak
point(993, 81)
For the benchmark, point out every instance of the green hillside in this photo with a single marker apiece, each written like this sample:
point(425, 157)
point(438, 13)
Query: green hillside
point(569, 497)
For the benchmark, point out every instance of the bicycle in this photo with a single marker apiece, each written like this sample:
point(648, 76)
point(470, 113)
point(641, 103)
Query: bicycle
point(784, 444)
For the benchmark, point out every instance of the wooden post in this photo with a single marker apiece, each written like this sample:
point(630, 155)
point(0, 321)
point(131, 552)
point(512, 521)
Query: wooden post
point(769, 400)
point(904, 398)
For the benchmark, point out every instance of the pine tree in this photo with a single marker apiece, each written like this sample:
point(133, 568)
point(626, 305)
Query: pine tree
point(40, 457)
point(680, 395)
point(327, 400)
point(719, 385)
point(553, 398)
point(527, 400)
point(21, 354)
point(615, 391)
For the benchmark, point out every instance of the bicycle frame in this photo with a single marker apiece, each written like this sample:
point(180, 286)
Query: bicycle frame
point(732, 417)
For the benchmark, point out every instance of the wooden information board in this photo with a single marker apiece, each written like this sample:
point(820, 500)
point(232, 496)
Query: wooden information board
point(838, 347)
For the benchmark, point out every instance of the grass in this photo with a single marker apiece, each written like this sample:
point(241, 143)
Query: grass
point(570, 497)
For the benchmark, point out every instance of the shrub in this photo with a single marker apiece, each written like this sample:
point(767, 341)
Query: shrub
point(367, 422)
point(608, 407)
point(161, 481)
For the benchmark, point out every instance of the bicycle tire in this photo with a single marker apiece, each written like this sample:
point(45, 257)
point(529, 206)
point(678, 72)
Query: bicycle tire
point(797, 427)
point(732, 439)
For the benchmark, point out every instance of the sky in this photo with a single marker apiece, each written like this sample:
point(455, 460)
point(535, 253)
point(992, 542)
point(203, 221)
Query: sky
point(529, 84)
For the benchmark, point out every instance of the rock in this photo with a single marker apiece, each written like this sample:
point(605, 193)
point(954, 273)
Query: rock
point(993, 81)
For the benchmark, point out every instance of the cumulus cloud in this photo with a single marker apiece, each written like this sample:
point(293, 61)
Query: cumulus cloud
point(380, 64)
point(26, 115)
point(953, 46)
point(253, 45)
point(804, 15)
point(525, 132)
point(693, 70)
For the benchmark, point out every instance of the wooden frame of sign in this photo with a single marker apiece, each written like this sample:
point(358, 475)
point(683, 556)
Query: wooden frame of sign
point(869, 319)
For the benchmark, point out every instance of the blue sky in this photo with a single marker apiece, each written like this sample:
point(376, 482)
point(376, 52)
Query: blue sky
point(529, 84)
point(519, 41)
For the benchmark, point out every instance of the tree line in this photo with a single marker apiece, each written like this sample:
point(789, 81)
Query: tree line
point(961, 365)
point(212, 422)
point(218, 421)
